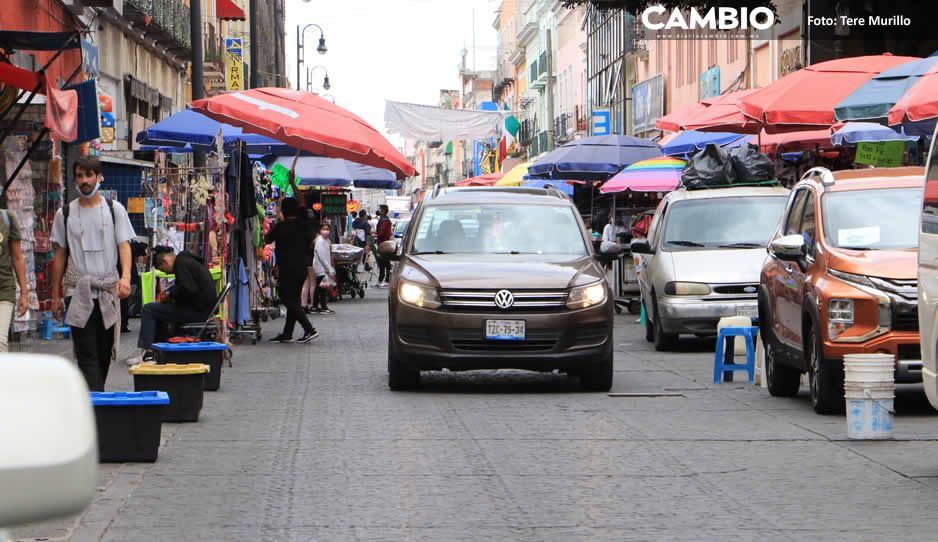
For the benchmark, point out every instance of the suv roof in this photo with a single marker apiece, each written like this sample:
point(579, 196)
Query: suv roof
point(872, 178)
point(727, 192)
point(499, 194)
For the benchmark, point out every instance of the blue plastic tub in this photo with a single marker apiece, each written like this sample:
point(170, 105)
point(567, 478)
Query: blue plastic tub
point(209, 353)
point(129, 425)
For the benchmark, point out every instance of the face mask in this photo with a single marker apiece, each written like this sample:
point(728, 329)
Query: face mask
point(97, 185)
point(324, 233)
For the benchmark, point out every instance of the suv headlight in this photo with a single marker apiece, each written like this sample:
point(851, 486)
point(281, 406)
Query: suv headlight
point(419, 295)
point(582, 297)
point(840, 316)
point(686, 288)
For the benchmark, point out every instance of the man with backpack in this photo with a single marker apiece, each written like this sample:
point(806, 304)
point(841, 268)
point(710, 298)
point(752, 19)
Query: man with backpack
point(92, 237)
point(12, 273)
point(384, 231)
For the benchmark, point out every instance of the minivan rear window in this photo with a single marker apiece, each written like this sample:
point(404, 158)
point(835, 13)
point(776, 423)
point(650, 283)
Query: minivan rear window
point(498, 229)
point(734, 222)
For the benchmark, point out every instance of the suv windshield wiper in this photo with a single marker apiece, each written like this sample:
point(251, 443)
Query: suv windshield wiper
point(419, 252)
point(684, 243)
point(742, 245)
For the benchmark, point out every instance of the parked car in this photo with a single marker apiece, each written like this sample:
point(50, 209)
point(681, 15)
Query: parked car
point(928, 278)
point(702, 258)
point(498, 278)
point(840, 279)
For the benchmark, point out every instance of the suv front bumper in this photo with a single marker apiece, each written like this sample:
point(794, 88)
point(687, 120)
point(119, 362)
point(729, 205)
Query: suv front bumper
point(904, 345)
point(566, 340)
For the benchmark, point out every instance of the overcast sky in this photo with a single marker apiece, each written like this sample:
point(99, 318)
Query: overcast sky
point(403, 50)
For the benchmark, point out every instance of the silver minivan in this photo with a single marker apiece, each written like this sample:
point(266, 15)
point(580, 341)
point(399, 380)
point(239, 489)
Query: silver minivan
point(703, 256)
point(928, 278)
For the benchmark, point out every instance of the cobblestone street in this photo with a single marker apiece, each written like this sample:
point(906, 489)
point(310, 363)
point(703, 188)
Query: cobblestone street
point(305, 442)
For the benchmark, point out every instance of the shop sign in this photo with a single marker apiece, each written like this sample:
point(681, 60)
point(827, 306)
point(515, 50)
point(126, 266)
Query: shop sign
point(90, 62)
point(333, 204)
point(710, 83)
point(234, 64)
point(602, 122)
point(135, 205)
point(880, 153)
point(647, 103)
point(789, 60)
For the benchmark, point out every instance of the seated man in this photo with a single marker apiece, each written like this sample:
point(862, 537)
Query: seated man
point(190, 300)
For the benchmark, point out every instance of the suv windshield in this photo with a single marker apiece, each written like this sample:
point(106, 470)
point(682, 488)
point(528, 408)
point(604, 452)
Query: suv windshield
point(736, 222)
point(499, 229)
point(872, 219)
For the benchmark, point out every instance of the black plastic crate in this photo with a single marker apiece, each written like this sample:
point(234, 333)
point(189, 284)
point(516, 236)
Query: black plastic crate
point(183, 383)
point(129, 425)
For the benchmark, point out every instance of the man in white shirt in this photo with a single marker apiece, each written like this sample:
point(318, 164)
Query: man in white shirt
point(91, 236)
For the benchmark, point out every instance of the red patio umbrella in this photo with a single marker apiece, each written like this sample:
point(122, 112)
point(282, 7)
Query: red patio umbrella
point(721, 114)
point(489, 179)
point(920, 102)
point(795, 141)
point(806, 98)
point(306, 122)
point(672, 121)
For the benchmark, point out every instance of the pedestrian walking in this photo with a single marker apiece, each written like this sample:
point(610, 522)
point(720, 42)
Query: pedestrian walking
point(325, 272)
point(292, 238)
point(361, 231)
point(383, 232)
point(12, 273)
point(92, 235)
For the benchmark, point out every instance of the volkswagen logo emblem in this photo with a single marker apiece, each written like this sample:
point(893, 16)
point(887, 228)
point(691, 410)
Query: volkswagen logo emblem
point(504, 299)
point(750, 289)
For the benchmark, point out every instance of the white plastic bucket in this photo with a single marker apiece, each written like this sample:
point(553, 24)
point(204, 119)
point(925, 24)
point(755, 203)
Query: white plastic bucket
point(869, 392)
point(869, 368)
point(869, 412)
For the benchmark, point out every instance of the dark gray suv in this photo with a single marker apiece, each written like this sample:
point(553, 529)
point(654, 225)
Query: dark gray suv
point(498, 278)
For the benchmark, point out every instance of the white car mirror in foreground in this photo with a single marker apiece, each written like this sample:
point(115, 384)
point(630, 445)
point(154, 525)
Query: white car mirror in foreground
point(48, 444)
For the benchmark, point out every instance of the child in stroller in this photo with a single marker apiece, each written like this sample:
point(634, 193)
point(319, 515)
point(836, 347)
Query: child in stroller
point(347, 258)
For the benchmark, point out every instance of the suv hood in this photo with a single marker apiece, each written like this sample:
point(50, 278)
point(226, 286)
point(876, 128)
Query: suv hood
point(888, 264)
point(472, 271)
point(722, 266)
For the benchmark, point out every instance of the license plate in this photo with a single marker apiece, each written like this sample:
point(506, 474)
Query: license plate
point(751, 312)
point(504, 330)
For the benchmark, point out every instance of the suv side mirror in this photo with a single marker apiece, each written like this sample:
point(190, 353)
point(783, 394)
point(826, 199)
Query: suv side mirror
point(642, 246)
point(790, 248)
point(388, 249)
point(49, 451)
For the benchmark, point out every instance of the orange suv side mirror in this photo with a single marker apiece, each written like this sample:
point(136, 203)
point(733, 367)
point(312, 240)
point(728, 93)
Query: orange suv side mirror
point(789, 248)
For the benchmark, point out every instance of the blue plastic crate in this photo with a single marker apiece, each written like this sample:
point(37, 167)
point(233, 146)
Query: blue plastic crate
point(190, 347)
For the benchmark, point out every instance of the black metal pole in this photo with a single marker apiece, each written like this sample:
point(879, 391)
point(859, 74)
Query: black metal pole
point(198, 62)
point(299, 46)
point(278, 36)
point(255, 55)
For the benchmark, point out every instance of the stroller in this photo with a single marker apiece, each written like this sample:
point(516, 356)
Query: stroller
point(347, 258)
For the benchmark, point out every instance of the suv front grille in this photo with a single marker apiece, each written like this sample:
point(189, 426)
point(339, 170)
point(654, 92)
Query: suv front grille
point(909, 351)
point(904, 317)
point(904, 288)
point(736, 289)
point(525, 300)
point(472, 340)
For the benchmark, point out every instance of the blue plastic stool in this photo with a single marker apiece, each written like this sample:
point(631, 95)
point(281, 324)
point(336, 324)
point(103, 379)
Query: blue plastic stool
point(48, 329)
point(723, 365)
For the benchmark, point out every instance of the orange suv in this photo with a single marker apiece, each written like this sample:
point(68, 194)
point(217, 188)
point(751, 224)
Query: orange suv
point(841, 279)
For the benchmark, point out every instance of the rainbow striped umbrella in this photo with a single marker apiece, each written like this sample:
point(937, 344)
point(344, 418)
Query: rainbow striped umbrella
point(653, 175)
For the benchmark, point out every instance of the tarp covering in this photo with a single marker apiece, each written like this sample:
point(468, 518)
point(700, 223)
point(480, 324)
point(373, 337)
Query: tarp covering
point(431, 123)
point(62, 112)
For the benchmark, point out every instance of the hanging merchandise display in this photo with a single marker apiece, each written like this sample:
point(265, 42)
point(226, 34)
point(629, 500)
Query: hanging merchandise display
point(22, 203)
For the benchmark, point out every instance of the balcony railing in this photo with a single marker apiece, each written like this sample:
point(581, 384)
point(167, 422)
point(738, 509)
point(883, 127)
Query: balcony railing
point(165, 20)
point(213, 49)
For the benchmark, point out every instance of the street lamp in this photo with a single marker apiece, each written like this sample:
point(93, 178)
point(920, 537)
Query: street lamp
point(325, 80)
point(301, 47)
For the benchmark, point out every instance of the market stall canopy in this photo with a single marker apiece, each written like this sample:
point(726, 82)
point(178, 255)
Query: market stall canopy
point(795, 141)
point(672, 121)
point(805, 99)
point(227, 10)
point(654, 175)
point(193, 128)
point(514, 176)
point(307, 122)
point(319, 171)
point(874, 99)
point(563, 186)
point(15, 40)
point(429, 123)
point(594, 158)
point(489, 179)
point(917, 110)
point(852, 133)
point(721, 114)
point(692, 141)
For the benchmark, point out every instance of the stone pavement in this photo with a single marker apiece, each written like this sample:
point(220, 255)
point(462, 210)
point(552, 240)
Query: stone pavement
point(305, 442)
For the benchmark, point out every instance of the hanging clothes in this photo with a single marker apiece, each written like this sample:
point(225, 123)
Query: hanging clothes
point(244, 307)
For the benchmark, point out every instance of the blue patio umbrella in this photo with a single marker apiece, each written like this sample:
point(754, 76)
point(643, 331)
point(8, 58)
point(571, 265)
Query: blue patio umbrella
point(857, 132)
point(543, 183)
point(691, 141)
point(321, 171)
point(873, 99)
point(196, 129)
point(594, 158)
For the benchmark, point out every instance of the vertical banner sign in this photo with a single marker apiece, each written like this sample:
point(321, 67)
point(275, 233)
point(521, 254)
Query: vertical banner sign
point(234, 64)
point(647, 103)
